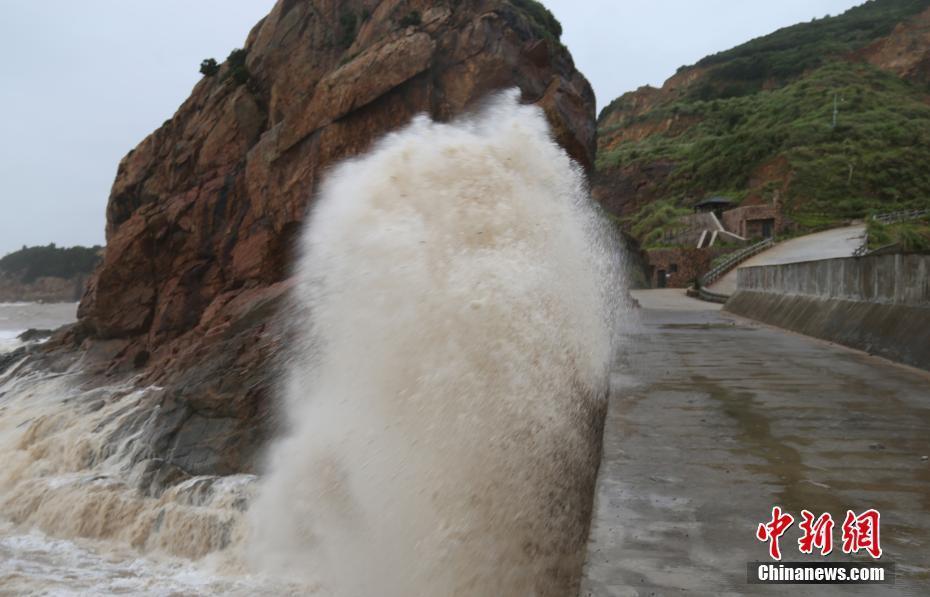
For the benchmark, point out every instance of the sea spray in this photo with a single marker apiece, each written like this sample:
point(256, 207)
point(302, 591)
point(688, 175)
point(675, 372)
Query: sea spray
point(455, 301)
point(444, 408)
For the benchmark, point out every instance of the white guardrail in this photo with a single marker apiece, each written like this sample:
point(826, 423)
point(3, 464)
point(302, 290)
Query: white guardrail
point(723, 267)
point(890, 218)
point(733, 260)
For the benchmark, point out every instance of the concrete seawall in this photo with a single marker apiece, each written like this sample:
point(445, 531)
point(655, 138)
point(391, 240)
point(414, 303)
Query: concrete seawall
point(880, 304)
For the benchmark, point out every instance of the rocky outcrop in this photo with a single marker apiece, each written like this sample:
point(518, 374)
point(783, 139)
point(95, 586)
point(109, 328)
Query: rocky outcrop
point(204, 213)
point(625, 190)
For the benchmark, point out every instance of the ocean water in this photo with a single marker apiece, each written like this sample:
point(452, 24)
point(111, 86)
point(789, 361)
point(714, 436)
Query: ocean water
point(33, 563)
point(16, 318)
point(8, 340)
point(55, 510)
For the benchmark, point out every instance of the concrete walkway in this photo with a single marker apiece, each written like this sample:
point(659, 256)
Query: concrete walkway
point(838, 242)
point(714, 419)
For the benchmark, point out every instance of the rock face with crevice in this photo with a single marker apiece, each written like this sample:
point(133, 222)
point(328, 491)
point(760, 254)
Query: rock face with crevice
point(204, 213)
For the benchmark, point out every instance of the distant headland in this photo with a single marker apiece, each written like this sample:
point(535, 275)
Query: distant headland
point(47, 273)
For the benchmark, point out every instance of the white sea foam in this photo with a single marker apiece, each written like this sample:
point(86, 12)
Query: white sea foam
point(32, 563)
point(455, 291)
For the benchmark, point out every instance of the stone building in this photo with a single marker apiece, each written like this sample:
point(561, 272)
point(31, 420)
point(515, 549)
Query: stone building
point(756, 218)
point(697, 239)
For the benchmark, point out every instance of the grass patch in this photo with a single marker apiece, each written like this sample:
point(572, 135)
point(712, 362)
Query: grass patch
point(912, 236)
point(655, 221)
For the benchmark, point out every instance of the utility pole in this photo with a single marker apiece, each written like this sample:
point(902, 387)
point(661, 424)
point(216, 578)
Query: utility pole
point(835, 108)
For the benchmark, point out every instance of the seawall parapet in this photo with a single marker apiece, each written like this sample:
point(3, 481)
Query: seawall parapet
point(879, 304)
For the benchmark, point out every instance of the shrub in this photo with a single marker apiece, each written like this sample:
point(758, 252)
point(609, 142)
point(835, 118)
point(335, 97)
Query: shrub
point(914, 239)
point(237, 69)
point(546, 24)
point(209, 67)
point(911, 235)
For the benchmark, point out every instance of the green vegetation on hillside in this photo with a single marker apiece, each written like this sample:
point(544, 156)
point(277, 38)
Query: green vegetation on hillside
point(789, 52)
point(796, 113)
point(543, 21)
point(31, 263)
point(874, 159)
point(656, 220)
point(910, 235)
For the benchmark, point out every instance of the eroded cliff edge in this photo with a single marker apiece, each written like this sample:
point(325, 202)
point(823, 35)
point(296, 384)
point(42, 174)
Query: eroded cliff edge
point(203, 215)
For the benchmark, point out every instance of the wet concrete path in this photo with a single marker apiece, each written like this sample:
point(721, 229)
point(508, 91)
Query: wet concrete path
point(715, 419)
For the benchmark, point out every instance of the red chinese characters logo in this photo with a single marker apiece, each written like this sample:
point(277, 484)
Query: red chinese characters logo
point(773, 530)
point(817, 533)
point(861, 532)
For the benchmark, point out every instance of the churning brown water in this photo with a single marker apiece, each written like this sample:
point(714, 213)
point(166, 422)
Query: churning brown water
point(444, 408)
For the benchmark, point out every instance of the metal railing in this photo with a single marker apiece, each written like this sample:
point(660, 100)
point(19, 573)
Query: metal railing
point(889, 218)
point(901, 216)
point(733, 260)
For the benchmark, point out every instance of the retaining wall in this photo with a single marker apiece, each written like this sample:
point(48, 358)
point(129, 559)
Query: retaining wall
point(880, 304)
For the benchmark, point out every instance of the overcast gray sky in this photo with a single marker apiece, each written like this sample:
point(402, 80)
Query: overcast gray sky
point(81, 83)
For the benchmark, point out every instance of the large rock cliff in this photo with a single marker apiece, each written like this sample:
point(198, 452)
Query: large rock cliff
point(203, 215)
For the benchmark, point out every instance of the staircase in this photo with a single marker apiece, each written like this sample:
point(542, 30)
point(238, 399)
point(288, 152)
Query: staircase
point(733, 260)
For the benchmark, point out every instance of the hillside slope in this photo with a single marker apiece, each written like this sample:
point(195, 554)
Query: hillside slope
point(829, 118)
